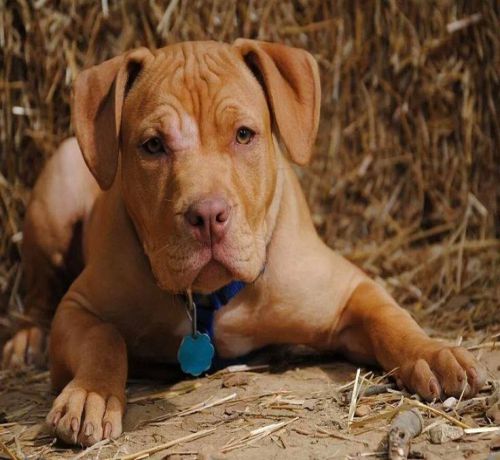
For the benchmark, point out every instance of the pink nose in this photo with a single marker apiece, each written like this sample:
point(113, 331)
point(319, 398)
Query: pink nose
point(208, 219)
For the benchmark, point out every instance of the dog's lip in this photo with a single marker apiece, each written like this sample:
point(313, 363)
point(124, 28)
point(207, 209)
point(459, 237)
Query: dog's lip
point(208, 263)
point(209, 277)
point(214, 260)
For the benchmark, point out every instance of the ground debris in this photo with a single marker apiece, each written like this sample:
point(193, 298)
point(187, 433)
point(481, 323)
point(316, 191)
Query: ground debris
point(493, 403)
point(405, 426)
point(251, 421)
point(236, 380)
point(495, 443)
point(362, 410)
point(450, 403)
point(443, 432)
point(210, 453)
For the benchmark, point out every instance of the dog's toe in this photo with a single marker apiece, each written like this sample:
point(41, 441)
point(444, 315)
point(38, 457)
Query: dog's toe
point(7, 352)
point(92, 426)
point(65, 416)
point(476, 373)
point(15, 350)
point(419, 378)
point(112, 421)
point(35, 351)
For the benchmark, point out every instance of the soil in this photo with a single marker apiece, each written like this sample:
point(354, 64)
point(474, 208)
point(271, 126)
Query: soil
point(309, 395)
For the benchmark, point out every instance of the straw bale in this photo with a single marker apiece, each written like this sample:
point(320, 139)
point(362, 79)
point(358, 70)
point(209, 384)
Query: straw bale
point(405, 177)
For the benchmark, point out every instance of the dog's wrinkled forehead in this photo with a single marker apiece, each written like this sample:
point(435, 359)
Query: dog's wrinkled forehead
point(195, 81)
point(201, 65)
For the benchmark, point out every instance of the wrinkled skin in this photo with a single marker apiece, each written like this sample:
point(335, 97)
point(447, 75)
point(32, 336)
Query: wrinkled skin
point(193, 110)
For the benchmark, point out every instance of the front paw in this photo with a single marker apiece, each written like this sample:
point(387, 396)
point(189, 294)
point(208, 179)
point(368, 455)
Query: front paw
point(442, 371)
point(82, 416)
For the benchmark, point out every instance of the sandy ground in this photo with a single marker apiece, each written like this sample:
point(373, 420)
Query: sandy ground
point(299, 404)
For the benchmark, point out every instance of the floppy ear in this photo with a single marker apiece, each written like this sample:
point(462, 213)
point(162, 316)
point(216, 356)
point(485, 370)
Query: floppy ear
point(290, 78)
point(98, 94)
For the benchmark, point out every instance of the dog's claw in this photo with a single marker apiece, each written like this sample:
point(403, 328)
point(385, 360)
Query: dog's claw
point(53, 419)
point(107, 430)
point(89, 429)
point(434, 387)
point(74, 424)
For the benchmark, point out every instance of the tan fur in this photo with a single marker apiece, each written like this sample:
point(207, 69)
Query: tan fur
point(139, 251)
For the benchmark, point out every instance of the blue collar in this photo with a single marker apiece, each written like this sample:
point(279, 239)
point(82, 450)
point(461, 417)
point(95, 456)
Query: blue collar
point(197, 353)
point(208, 304)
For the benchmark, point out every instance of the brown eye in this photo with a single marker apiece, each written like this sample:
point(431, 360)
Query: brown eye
point(244, 135)
point(153, 146)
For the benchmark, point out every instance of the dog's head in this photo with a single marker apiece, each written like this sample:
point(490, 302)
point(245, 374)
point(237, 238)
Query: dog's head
point(189, 130)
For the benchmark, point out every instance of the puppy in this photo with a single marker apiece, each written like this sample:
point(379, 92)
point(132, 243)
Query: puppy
point(184, 184)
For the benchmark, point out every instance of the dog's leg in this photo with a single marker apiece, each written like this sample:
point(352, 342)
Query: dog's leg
point(374, 328)
point(89, 363)
point(43, 253)
point(341, 309)
point(51, 248)
point(45, 245)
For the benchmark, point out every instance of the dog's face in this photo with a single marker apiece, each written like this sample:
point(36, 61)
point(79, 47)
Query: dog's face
point(198, 166)
point(198, 169)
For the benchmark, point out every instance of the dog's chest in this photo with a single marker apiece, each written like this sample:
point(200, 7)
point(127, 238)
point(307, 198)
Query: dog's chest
point(158, 328)
point(154, 330)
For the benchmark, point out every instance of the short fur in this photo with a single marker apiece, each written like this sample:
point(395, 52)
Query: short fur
point(139, 250)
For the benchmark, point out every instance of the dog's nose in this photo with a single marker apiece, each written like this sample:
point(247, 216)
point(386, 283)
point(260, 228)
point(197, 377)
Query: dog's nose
point(208, 219)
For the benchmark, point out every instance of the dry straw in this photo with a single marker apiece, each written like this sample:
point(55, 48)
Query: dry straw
point(406, 173)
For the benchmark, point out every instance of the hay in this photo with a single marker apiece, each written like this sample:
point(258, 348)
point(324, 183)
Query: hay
point(405, 178)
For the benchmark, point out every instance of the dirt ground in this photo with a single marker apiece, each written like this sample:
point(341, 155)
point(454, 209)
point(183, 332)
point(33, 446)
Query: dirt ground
point(296, 406)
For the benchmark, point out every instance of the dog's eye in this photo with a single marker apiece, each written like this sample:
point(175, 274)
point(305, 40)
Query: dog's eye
point(153, 146)
point(244, 135)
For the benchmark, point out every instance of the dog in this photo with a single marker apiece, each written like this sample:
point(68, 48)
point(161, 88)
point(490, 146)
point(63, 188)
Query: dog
point(180, 182)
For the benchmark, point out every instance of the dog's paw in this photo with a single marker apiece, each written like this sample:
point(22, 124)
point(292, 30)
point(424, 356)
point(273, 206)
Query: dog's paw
point(26, 348)
point(443, 371)
point(80, 416)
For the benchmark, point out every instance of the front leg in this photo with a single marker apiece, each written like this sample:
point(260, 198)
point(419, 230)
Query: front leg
point(88, 361)
point(327, 303)
point(374, 328)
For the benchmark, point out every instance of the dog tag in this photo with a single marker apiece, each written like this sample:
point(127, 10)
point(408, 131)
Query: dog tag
point(196, 353)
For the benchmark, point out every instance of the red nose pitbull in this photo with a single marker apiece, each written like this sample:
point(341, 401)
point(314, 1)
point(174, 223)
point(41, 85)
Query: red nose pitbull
point(184, 182)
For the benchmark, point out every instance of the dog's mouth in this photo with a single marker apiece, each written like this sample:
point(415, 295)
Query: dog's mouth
point(205, 269)
point(216, 267)
point(202, 270)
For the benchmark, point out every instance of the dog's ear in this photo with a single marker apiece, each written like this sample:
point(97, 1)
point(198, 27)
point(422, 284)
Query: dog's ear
point(98, 95)
point(290, 78)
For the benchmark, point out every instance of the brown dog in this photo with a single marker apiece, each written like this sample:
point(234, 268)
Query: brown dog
point(196, 193)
